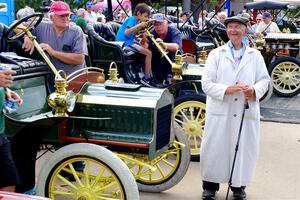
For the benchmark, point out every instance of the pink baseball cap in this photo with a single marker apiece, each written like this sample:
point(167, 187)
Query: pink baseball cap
point(60, 8)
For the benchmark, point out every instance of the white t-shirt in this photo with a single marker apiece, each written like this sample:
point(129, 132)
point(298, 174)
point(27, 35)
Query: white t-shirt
point(272, 28)
point(90, 18)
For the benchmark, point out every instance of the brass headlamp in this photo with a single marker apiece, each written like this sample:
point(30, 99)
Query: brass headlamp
point(61, 100)
point(177, 67)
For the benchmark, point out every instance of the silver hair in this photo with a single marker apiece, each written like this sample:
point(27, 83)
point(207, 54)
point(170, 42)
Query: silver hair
point(24, 12)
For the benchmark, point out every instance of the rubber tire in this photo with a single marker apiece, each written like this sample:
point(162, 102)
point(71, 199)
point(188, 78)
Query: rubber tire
point(191, 97)
point(97, 152)
point(179, 173)
point(273, 66)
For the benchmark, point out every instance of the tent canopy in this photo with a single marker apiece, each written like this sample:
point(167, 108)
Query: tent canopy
point(266, 5)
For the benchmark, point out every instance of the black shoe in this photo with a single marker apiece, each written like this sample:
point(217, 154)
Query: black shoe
point(239, 195)
point(149, 82)
point(209, 195)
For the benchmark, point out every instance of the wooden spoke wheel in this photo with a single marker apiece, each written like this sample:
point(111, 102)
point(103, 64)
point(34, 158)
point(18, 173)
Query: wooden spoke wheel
point(86, 171)
point(171, 166)
point(189, 113)
point(285, 76)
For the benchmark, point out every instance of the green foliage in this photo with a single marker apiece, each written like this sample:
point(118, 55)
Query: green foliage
point(36, 4)
point(32, 3)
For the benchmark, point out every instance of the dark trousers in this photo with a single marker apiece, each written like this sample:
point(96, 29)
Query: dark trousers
point(215, 186)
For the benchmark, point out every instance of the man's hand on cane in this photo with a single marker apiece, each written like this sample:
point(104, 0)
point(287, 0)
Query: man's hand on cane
point(249, 93)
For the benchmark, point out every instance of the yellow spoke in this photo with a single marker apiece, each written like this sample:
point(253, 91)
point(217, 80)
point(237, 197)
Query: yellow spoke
point(179, 121)
point(192, 109)
point(183, 114)
point(195, 141)
point(160, 170)
point(63, 193)
point(74, 173)
point(198, 115)
point(66, 182)
point(86, 174)
point(168, 163)
point(98, 177)
point(106, 186)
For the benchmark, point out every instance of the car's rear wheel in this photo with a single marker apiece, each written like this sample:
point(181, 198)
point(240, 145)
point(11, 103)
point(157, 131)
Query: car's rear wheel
point(285, 76)
point(189, 113)
point(170, 166)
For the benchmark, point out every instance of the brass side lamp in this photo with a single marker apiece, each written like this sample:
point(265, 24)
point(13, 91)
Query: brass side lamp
point(260, 42)
point(61, 100)
point(113, 74)
point(202, 57)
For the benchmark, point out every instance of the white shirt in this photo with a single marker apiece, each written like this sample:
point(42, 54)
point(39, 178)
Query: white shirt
point(91, 17)
point(272, 28)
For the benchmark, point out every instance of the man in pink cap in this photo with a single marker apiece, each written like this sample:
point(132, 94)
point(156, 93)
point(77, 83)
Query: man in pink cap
point(64, 42)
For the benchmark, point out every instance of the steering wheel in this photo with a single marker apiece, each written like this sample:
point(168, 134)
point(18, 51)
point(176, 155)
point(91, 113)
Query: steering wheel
point(28, 23)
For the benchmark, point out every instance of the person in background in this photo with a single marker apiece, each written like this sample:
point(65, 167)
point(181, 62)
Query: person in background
point(171, 39)
point(100, 16)
point(234, 75)
point(90, 16)
point(222, 16)
point(258, 20)
point(202, 19)
point(122, 16)
point(9, 177)
point(298, 25)
point(184, 16)
point(45, 9)
point(64, 43)
point(248, 37)
point(126, 33)
point(80, 19)
point(267, 26)
point(24, 12)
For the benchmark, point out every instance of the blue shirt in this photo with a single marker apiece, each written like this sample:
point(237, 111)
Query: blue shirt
point(237, 58)
point(128, 39)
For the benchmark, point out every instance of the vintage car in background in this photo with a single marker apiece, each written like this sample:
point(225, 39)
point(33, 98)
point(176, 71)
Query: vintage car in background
point(280, 50)
point(83, 129)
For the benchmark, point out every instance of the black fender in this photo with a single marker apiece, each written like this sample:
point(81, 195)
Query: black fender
point(24, 147)
point(186, 87)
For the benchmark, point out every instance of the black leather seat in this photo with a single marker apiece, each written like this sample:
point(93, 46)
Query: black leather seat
point(114, 26)
point(104, 31)
point(102, 52)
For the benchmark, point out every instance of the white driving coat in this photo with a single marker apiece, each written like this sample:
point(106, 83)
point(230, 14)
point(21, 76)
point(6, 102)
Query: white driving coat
point(224, 112)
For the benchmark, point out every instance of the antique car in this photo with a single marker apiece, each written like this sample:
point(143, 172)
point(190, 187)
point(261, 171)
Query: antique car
point(189, 106)
point(281, 52)
point(83, 129)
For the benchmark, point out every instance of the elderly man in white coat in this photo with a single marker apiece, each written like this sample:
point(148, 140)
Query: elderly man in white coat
point(233, 74)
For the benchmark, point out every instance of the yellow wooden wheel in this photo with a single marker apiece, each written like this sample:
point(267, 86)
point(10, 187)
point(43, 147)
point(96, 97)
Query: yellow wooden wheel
point(171, 166)
point(96, 181)
point(285, 76)
point(89, 172)
point(189, 113)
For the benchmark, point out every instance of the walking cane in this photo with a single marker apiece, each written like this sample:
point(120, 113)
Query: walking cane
point(246, 106)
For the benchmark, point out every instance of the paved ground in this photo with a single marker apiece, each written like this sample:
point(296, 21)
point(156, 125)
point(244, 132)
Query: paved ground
point(277, 175)
point(279, 109)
